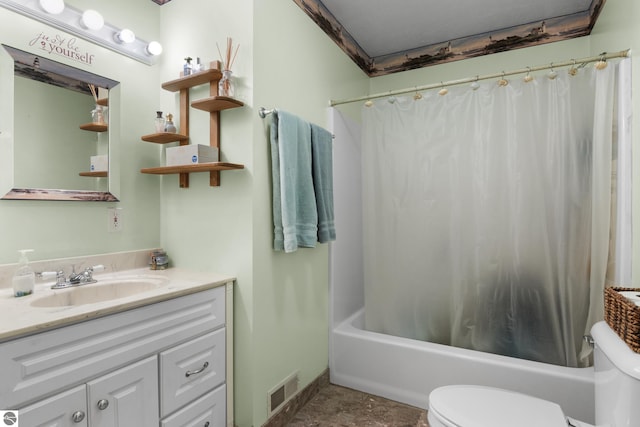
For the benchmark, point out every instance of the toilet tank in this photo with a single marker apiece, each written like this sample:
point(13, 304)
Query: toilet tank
point(617, 379)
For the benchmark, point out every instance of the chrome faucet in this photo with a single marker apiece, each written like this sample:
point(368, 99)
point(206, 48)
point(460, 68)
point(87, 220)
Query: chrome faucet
point(75, 279)
point(82, 278)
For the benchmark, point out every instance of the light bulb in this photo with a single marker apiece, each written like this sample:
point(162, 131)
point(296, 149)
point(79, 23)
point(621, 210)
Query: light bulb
point(125, 36)
point(54, 7)
point(92, 20)
point(154, 48)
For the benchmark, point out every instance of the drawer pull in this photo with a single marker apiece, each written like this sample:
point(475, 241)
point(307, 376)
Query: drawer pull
point(197, 371)
point(103, 404)
point(77, 417)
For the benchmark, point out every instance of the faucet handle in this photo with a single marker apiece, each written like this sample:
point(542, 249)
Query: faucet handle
point(98, 267)
point(44, 275)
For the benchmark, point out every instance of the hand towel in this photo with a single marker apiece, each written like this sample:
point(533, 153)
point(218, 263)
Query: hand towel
point(322, 169)
point(295, 214)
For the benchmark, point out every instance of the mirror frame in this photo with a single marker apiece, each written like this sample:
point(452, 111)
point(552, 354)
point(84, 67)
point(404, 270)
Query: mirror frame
point(8, 59)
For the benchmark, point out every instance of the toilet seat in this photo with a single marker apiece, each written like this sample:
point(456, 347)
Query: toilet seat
point(479, 406)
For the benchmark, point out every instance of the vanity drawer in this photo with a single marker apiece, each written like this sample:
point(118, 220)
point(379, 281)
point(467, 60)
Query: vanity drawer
point(210, 408)
point(191, 369)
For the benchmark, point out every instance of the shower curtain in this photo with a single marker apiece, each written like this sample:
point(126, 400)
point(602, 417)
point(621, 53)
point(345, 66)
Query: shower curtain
point(487, 213)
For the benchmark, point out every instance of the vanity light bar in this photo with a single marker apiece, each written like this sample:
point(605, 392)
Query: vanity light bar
point(69, 20)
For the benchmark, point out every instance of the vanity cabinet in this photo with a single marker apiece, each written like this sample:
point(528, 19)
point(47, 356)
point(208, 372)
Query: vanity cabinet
point(167, 364)
point(213, 105)
point(122, 398)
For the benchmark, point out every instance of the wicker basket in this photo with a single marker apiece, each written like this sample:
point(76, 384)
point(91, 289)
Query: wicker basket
point(623, 316)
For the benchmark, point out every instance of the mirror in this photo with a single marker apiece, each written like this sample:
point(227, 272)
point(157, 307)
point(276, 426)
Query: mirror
point(55, 142)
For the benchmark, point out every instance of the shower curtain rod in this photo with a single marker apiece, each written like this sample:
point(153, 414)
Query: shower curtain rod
point(580, 62)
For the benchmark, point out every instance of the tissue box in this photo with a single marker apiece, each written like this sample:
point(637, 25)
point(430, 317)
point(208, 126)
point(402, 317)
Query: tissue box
point(99, 163)
point(191, 154)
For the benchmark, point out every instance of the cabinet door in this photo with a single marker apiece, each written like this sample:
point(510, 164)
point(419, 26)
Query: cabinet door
point(127, 397)
point(66, 409)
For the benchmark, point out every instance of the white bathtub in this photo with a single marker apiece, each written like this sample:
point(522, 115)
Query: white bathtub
point(406, 370)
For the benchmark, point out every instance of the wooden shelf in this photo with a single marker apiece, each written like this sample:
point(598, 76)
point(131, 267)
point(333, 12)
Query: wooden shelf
point(95, 127)
point(164, 137)
point(103, 101)
point(216, 103)
point(200, 167)
point(213, 104)
point(192, 80)
point(97, 174)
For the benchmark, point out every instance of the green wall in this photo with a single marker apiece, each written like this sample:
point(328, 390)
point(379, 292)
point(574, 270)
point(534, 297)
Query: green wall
point(62, 229)
point(284, 61)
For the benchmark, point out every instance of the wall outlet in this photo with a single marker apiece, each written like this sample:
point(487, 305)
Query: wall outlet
point(114, 216)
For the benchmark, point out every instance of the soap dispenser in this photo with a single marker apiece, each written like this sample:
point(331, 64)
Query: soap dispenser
point(24, 278)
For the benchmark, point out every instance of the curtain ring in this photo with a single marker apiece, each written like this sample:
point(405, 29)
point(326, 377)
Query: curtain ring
point(391, 99)
point(443, 91)
point(475, 85)
point(573, 70)
point(417, 95)
point(503, 81)
point(551, 75)
point(602, 63)
point(528, 78)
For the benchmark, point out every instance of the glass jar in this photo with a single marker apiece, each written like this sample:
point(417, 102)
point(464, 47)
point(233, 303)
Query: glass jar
point(98, 115)
point(159, 122)
point(226, 84)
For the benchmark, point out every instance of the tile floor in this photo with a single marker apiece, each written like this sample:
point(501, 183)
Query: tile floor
point(336, 406)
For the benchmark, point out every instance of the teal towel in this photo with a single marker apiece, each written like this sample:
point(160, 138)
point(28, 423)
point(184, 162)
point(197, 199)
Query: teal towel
point(295, 214)
point(322, 166)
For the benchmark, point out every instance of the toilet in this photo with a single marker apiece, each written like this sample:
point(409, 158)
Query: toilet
point(617, 396)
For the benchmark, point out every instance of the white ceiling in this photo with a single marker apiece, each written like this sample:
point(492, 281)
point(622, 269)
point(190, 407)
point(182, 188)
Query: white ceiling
point(383, 27)
point(386, 36)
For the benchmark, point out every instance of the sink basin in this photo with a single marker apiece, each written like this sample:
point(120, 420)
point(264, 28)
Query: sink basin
point(106, 290)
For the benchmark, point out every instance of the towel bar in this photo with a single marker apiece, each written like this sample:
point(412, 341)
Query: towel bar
point(263, 112)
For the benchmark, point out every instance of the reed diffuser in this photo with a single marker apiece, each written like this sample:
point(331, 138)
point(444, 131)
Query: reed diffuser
point(226, 84)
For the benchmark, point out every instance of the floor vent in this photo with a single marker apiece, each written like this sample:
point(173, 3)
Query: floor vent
point(281, 393)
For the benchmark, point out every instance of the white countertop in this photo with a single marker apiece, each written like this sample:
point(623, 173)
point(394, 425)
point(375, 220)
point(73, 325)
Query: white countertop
point(18, 317)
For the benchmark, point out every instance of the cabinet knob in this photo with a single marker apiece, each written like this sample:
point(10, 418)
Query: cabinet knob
point(103, 404)
point(197, 371)
point(77, 416)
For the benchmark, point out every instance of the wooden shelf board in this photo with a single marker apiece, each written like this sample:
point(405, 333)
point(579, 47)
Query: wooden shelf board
point(97, 174)
point(103, 101)
point(216, 103)
point(95, 127)
point(192, 80)
point(200, 167)
point(164, 137)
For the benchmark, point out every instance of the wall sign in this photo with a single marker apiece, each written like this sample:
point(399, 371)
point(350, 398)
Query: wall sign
point(65, 46)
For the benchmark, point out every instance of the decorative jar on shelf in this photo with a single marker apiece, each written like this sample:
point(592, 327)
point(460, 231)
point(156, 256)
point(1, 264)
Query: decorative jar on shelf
point(99, 115)
point(159, 122)
point(226, 84)
point(169, 126)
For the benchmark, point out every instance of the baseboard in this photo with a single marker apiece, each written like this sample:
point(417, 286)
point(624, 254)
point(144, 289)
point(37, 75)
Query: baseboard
point(291, 408)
